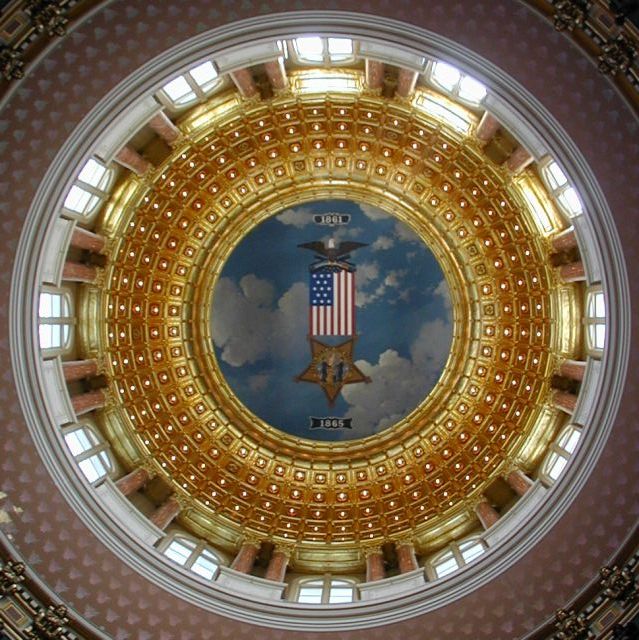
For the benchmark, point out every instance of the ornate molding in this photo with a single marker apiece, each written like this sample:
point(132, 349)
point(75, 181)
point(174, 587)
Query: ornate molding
point(612, 609)
point(11, 576)
point(49, 624)
point(28, 609)
point(48, 15)
point(570, 14)
point(571, 626)
point(619, 583)
point(11, 64)
point(617, 55)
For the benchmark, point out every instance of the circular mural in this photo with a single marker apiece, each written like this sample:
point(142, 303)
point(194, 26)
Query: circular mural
point(332, 320)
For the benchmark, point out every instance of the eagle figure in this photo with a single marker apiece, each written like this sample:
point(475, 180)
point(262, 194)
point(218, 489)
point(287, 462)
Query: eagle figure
point(331, 251)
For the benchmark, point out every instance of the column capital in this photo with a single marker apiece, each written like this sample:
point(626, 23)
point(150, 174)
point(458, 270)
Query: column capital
point(512, 464)
point(473, 502)
point(250, 540)
point(404, 541)
point(185, 501)
point(372, 551)
point(286, 549)
point(148, 464)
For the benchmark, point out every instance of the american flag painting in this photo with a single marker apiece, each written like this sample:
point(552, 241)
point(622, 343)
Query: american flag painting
point(332, 309)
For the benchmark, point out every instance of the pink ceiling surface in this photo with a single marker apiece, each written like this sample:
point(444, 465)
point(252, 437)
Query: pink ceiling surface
point(61, 89)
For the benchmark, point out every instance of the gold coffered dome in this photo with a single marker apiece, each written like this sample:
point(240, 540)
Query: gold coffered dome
point(172, 409)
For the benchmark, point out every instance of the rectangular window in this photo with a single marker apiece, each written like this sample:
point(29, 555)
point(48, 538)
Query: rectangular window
point(78, 441)
point(310, 49)
point(310, 595)
point(340, 48)
point(570, 201)
point(556, 177)
point(93, 173)
point(179, 90)
point(445, 75)
point(471, 550)
point(93, 468)
point(179, 551)
point(205, 75)
point(326, 84)
point(471, 90)
point(555, 465)
point(569, 439)
point(445, 565)
point(80, 201)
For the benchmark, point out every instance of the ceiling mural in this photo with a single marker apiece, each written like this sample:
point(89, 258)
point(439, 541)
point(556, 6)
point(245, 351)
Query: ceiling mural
point(341, 295)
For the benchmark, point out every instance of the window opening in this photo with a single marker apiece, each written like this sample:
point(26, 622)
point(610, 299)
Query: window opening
point(89, 189)
point(193, 85)
point(457, 84)
point(89, 452)
point(193, 555)
point(457, 555)
point(54, 320)
point(314, 50)
point(326, 590)
point(560, 452)
point(561, 189)
point(595, 321)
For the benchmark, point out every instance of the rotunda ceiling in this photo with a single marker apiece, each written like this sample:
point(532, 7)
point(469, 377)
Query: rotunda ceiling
point(247, 166)
point(547, 574)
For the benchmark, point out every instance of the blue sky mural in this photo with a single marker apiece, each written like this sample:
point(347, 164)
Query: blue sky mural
point(260, 321)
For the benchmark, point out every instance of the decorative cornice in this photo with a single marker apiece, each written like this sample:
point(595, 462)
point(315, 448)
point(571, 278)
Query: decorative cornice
point(29, 609)
point(607, 36)
point(614, 605)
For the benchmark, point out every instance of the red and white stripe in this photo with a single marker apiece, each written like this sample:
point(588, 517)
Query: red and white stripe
point(337, 319)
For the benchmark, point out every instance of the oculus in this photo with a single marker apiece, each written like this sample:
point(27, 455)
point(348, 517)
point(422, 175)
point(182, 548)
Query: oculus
point(331, 320)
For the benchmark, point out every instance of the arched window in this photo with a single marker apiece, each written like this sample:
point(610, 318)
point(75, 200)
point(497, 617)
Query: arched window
point(316, 50)
point(560, 188)
point(455, 556)
point(595, 320)
point(89, 451)
point(194, 85)
point(55, 320)
point(89, 190)
point(326, 590)
point(559, 453)
point(193, 555)
point(456, 84)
